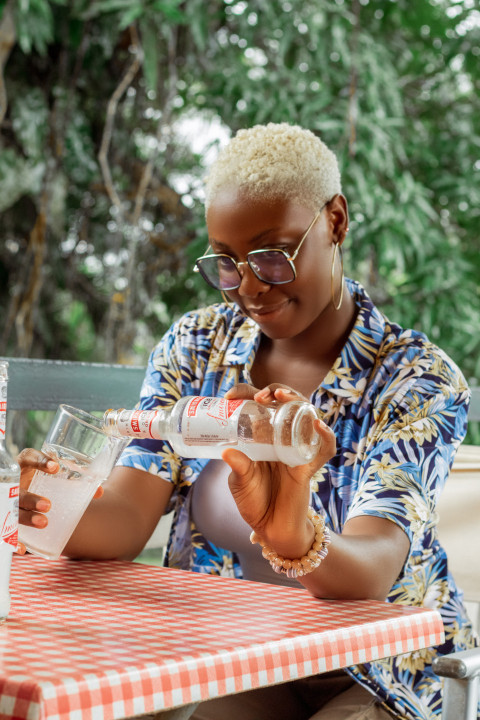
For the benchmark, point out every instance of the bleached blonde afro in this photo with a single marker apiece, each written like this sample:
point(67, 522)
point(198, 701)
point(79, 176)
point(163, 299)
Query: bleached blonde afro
point(276, 161)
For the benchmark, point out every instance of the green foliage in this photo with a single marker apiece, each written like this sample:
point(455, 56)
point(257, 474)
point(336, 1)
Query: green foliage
point(392, 87)
point(34, 21)
point(18, 177)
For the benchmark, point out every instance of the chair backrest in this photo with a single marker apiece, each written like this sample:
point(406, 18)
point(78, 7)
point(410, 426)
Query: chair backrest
point(44, 384)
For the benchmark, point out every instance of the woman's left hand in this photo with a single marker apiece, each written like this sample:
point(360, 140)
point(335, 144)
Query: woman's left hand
point(273, 498)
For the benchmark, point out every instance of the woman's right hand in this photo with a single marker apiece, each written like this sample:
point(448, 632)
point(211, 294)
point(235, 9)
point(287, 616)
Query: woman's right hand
point(32, 507)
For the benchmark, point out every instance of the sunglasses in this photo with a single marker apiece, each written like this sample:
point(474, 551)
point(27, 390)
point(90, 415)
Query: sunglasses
point(273, 266)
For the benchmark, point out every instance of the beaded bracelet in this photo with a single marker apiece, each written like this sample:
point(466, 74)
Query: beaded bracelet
point(305, 564)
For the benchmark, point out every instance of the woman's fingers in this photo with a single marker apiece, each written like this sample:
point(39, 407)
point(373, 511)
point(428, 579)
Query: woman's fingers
point(239, 463)
point(30, 459)
point(31, 502)
point(32, 519)
point(276, 391)
point(328, 447)
point(20, 549)
point(98, 492)
point(248, 485)
point(242, 391)
point(32, 507)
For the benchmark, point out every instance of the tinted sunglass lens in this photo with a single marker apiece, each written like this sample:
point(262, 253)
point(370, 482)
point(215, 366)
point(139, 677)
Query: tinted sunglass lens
point(272, 266)
point(220, 272)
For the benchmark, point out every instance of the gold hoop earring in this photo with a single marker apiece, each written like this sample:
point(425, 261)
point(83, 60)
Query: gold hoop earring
point(332, 277)
point(226, 300)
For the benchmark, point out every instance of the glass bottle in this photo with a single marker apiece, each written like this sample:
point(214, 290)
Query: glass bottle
point(9, 491)
point(203, 427)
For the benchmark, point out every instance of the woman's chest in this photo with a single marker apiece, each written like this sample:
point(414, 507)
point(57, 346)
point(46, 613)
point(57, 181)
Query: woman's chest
point(300, 375)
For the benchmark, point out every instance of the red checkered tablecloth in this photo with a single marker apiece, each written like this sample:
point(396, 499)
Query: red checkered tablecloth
point(105, 640)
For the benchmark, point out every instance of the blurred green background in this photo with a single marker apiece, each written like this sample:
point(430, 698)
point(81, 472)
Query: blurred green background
point(111, 111)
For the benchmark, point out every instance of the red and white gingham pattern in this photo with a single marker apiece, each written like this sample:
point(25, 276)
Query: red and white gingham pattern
point(97, 641)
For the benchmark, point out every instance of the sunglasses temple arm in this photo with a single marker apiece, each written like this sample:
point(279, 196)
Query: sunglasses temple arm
point(306, 233)
point(195, 267)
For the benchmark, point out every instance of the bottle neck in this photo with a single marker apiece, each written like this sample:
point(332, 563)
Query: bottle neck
point(161, 424)
point(137, 423)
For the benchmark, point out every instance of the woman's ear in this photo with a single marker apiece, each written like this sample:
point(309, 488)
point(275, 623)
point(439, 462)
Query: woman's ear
point(338, 218)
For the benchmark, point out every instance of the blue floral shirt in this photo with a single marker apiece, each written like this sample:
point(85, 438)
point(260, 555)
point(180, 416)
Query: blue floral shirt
point(398, 407)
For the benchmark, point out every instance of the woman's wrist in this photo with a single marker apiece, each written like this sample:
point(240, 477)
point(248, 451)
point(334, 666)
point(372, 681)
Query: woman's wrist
point(291, 544)
point(302, 564)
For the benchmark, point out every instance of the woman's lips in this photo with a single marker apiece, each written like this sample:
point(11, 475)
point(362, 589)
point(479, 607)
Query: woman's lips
point(266, 310)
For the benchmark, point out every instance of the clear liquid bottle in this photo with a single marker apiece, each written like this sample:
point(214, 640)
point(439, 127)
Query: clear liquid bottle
point(9, 491)
point(203, 427)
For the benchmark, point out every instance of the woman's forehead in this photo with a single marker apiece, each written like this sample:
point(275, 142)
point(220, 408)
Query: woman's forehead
point(232, 205)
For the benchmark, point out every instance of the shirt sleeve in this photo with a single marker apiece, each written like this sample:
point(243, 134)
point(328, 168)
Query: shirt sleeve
point(420, 420)
point(161, 388)
point(178, 366)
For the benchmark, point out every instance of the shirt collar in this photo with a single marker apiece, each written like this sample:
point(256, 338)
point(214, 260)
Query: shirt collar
point(239, 342)
point(349, 374)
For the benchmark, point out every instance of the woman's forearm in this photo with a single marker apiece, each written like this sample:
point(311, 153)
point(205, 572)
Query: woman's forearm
point(118, 524)
point(362, 563)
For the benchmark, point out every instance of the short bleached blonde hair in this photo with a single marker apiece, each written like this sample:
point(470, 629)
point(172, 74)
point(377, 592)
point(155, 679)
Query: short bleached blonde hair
point(276, 161)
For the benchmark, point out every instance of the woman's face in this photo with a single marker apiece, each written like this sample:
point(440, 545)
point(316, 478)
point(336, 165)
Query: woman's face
point(236, 226)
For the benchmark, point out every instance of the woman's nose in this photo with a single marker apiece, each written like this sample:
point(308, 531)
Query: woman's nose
point(250, 285)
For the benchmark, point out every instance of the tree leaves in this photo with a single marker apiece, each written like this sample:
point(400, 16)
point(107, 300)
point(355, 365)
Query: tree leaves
point(393, 88)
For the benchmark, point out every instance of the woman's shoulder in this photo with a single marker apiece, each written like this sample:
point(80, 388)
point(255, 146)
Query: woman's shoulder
point(406, 358)
point(399, 345)
point(409, 347)
point(206, 329)
point(417, 376)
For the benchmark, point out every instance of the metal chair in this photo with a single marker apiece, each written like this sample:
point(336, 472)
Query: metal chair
point(461, 673)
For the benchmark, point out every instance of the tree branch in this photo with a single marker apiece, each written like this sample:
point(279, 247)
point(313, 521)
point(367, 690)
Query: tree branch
point(162, 123)
point(8, 37)
point(24, 317)
point(112, 106)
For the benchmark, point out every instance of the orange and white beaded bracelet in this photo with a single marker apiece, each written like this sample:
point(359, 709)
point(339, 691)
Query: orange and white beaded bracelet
point(305, 564)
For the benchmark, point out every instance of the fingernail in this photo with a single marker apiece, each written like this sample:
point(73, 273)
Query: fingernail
point(42, 506)
point(39, 521)
point(52, 465)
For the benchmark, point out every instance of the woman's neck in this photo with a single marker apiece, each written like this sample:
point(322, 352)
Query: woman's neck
point(303, 361)
point(324, 338)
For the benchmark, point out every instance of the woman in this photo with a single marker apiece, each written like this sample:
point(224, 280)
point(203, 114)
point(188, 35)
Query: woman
point(393, 409)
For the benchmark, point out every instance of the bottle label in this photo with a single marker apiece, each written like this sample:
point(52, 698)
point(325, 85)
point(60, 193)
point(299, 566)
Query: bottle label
point(9, 514)
point(138, 422)
point(212, 421)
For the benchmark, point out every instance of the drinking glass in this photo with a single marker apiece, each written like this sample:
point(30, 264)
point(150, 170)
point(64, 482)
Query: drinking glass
point(86, 455)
